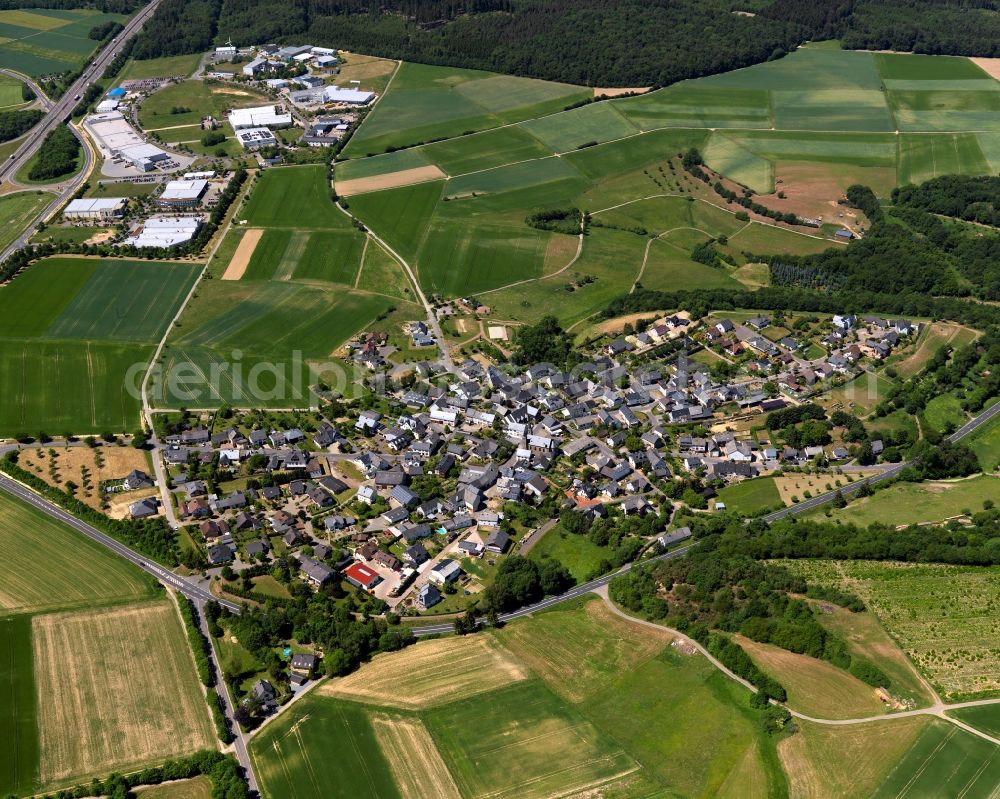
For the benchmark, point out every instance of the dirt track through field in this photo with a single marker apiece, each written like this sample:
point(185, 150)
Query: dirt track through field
point(392, 180)
point(414, 759)
point(116, 689)
point(431, 673)
point(244, 252)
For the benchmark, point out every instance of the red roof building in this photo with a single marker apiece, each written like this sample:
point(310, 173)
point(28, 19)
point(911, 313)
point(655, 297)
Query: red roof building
point(362, 576)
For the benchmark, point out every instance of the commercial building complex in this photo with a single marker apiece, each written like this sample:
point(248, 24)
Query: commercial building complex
point(165, 231)
point(102, 210)
point(265, 116)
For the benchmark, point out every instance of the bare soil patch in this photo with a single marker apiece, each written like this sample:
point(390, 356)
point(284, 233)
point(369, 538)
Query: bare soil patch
point(236, 92)
point(991, 66)
point(87, 468)
point(100, 238)
point(812, 190)
point(414, 759)
point(116, 689)
point(244, 252)
point(430, 673)
point(393, 180)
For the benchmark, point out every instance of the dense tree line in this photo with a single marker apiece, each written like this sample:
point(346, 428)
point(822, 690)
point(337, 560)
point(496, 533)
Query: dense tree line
point(178, 27)
point(17, 123)
point(774, 298)
point(200, 647)
point(972, 198)
point(936, 27)
point(224, 772)
point(105, 30)
point(57, 156)
point(864, 199)
point(150, 537)
point(559, 220)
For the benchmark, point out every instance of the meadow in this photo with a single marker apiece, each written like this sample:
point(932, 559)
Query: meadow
point(942, 617)
point(912, 503)
point(599, 704)
point(575, 552)
point(297, 281)
point(82, 322)
point(944, 761)
point(17, 210)
point(807, 125)
point(19, 766)
point(78, 571)
point(426, 102)
point(43, 41)
point(751, 496)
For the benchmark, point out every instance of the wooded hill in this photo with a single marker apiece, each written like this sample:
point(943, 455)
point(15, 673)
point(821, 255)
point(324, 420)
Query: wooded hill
point(589, 42)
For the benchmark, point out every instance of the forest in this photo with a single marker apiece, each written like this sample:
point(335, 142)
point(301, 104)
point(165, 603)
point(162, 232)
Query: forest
point(590, 42)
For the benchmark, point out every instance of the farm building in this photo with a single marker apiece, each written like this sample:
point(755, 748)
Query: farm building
point(165, 231)
point(335, 94)
point(183, 193)
point(102, 210)
point(365, 578)
point(255, 138)
point(265, 116)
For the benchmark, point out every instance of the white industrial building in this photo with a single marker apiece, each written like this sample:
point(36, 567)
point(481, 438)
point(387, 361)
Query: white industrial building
point(265, 116)
point(120, 141)
point(255, 66)
point(183, 193)
point(227, 53)
point(255, 138)
point(104, 209)
point(105, 106)
point(335, 94)
point(325, 61)
point(166, 231)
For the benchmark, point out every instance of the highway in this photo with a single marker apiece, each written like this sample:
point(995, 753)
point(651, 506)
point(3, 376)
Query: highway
point(58, 113)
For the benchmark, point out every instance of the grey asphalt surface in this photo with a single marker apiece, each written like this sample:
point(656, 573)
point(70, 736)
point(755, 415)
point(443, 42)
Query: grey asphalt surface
point(59, 111)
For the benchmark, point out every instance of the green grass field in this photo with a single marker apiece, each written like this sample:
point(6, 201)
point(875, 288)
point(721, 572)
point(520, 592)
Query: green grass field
point(426, 102)
point(986, 444)
point(179, 66)
point(575, 552)
point(187, 102)
point(945, 761)
point(607, 705)
point(19, 765)
point(944, 413)
point(78, 572)
point(10, 93)
point(17, 210)
point(910, 503)
point(44, 41)
point(84, 323)
point(984, 717)
point(293, 197)
point(751, 496)
point(291, 755)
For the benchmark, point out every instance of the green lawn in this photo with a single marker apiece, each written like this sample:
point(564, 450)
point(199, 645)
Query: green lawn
point(187, 102)
point(78, 572)
point(910, 503)
point(751, 496)
point(986, 444)
point(17, 210)
point(19, 765)
point(945, 761)
point(75, 336)
point(178, 66)
point(944, 413)
point(46, 41)
point(292, 755)
point(575, 552)
point(293, 197)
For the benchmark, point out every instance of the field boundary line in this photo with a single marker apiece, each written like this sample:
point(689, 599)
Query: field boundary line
point(361, 262)
point(573, 260)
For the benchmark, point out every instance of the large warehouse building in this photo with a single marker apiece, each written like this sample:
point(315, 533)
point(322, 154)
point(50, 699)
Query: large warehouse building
point(105, 209)
point(265, 116)
point(183, 193)
point(119, 140)
point(166, 231)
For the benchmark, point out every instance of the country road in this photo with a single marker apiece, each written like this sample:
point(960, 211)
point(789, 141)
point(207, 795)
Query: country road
point(58, 114)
